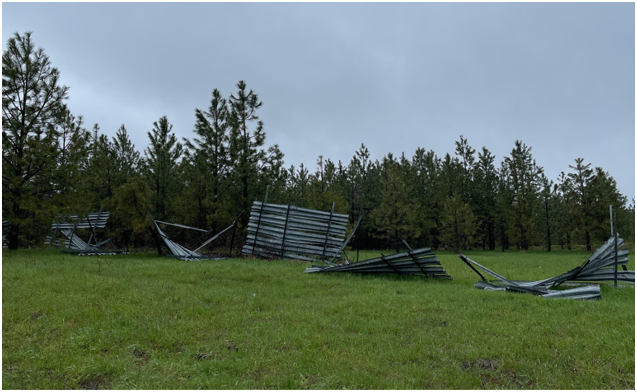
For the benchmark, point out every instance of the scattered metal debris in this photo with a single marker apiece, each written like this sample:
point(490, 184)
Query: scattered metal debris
point(347, 240)
point(180, 251)
point(599, 267)
point(289, 232)
point(413, 262)
point(73, 243)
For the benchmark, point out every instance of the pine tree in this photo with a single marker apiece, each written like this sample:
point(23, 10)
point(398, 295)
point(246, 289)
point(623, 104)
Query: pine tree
point(503, 204)
point(523, 183)
point(548, 200)
point(430, 194)
point(467, 160)
point(102, 170)
point(208, 155)
point(130, 210)
point(74, 146)
point(33, 107)
point(484, 193)
point(604, 193)
point(458, 223)
point(580, 180)
point(253, 165)
point(565, 217)
point(126, 157)
point(393, 216)
point(160, 166)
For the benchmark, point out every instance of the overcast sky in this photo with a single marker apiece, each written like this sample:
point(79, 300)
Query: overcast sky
point(558, 76)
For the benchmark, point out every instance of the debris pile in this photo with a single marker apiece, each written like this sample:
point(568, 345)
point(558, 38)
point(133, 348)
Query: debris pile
point(413, 262)
point(180, 251)
point(599, 267)
point(75, 244)
point(289, 232)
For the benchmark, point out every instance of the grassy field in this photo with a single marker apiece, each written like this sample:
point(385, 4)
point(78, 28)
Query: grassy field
point(143, 322)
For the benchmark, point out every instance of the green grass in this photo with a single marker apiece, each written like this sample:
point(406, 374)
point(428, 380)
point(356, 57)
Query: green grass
point(142, 322)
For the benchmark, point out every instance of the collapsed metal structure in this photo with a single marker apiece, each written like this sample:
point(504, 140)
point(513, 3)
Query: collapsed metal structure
point(180, 251)
point(599, 267)
point(413, 262)
point(290, 232)
point(76, 245)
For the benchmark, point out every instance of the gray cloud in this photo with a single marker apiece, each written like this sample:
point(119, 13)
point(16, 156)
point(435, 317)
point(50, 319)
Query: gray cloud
point(559, 76)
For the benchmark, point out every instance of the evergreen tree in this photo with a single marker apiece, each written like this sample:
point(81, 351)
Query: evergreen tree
point(467, 160)
point(458, 223)
point(126, 157)
point(32, 110)
point(451, 176)
point(503, 204)
point(160, 166)
point(580, 180)
point(131, 202)
point(252, 163)
point(549, 201)
point(429, 194)
point(484, 197)
point(301, 181)
point(393, 216)
point(322, 193)
point(208, 155)
point(523, 183)
point(604, 193)
point(73, 144)
point(565, 215)
point(102, 169)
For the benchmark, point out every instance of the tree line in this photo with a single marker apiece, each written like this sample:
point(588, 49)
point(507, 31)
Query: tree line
point(53, 164)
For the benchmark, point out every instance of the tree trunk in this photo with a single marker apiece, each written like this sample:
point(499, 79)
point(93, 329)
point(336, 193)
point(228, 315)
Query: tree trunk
point(14, 230)
point(548, 227)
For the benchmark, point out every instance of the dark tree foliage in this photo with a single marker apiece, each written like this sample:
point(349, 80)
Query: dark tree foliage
point(524, 176)
point(126, 157)
point(33, 110)
point(160, 167)
point(250, 160)
point(580, 191)
point(52, 164)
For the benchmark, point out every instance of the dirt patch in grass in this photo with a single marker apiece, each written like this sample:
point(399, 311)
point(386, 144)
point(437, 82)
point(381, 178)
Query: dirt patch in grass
point(232, 346)
point(96, 381)
point(481, 363)
point(140, 355)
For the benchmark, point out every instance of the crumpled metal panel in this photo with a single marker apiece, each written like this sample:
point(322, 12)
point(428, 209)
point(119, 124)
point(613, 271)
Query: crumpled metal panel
point(414, 262)
point(599, 267)
point(180, 251)
point(73, 243)
point(296, 233)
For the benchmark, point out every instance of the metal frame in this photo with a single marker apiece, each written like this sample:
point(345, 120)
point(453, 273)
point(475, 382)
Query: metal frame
point(74, 244)
point(601, 266)
point(183, 253)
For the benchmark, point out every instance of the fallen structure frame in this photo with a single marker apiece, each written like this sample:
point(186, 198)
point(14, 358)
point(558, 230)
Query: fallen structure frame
point(599, 267)
point(76, 245)
point(183, 253)
point(413, 262)
point(295, 233)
